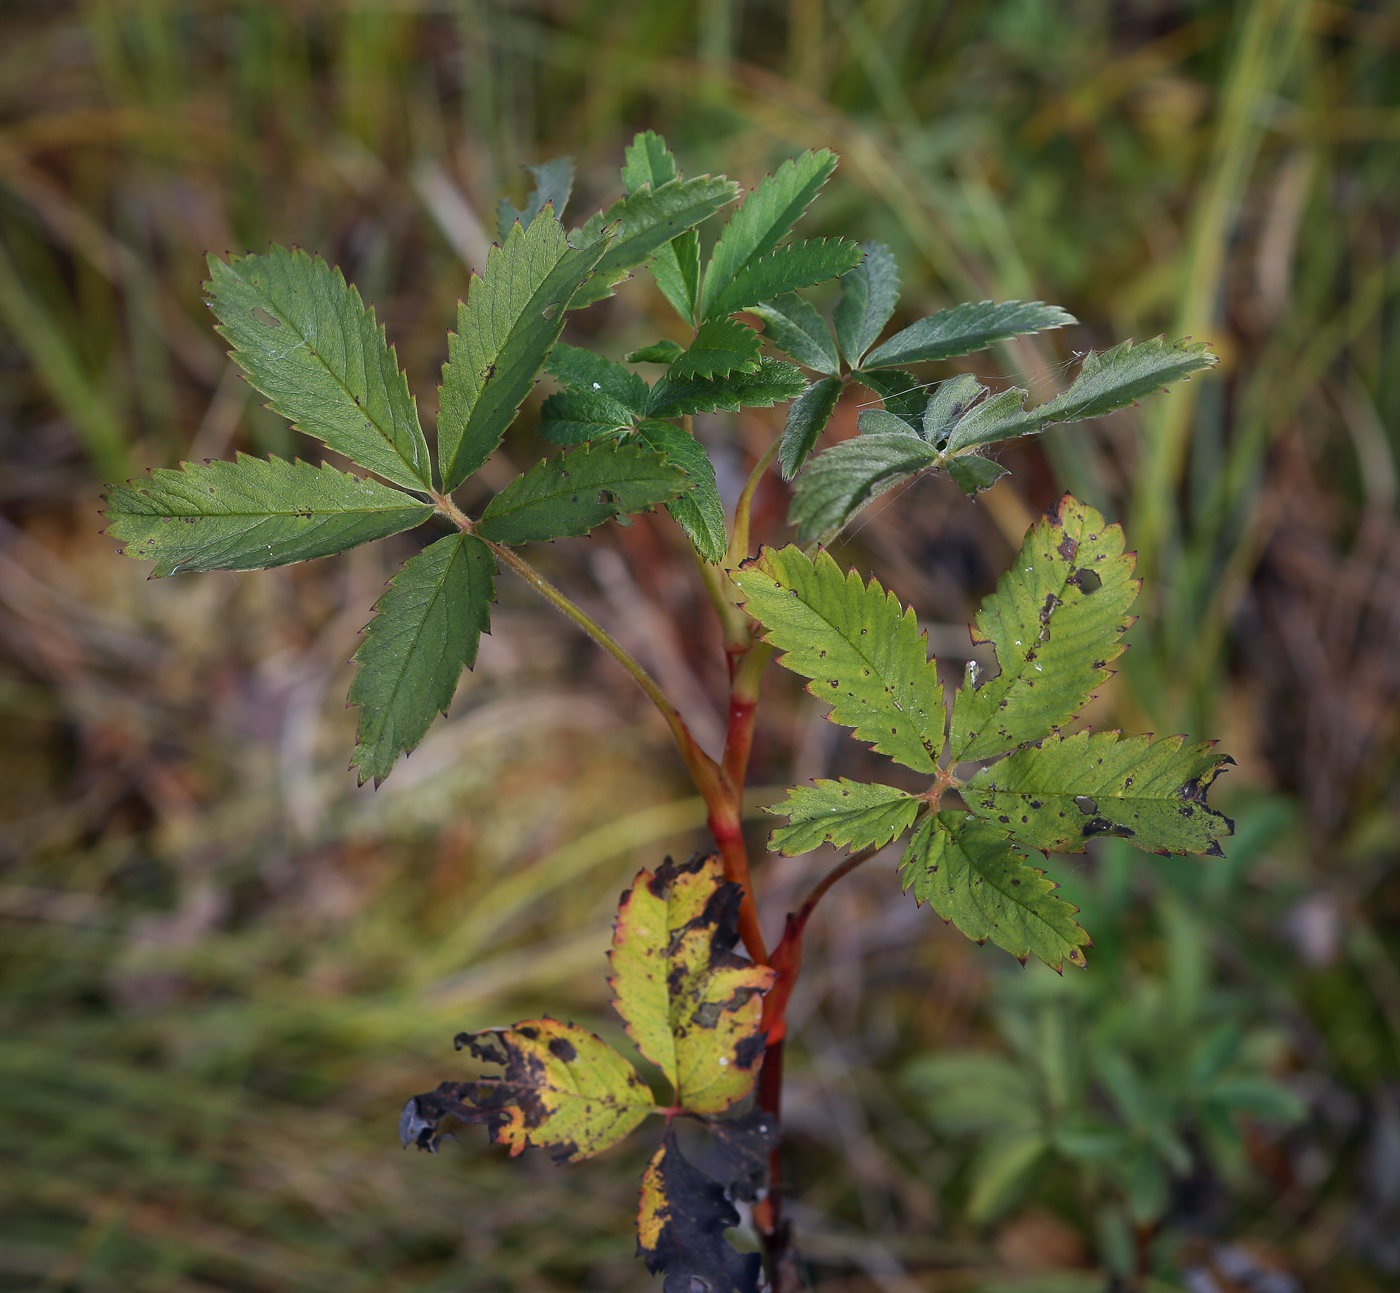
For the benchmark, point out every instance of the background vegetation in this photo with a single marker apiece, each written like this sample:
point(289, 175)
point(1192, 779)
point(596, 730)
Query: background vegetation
point(224, 968)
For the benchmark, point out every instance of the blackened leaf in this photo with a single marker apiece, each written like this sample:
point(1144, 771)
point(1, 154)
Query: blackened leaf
point(1056, 621)
point(562, 1089)
point(699, 511)
point(974, 877)
point(681, 1225)
point(903, 394)
point(806, 420)
point(782, 270)
point(973, 473)
point(253, 513)
point(868, 297)
point(308, 343)
point(1063, 792)
point(841, 481)
point(571, 417)
point(794, 326)
point(553, 182)
point(721, 347)
point(846, 814)
point(861, 649)
point(690, 1004)
point(774, 383)
point(965, 329)
point(572, 492)
point(582, 370)
point(425, 633)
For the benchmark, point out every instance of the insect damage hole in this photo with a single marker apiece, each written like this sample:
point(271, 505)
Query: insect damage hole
point(265, 318)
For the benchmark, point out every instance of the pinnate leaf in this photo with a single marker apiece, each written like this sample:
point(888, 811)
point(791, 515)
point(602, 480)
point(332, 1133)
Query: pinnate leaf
point(253, 513)
point(699, 511)
point(845, 814)
point(861, 649)
point(308, 343)
point(507, 325)
point(676, 265)
point(868, 296)
point(1063, 792)
point(972, 876)
point(806, 420)
point(965, 329)
point(785, 269)
point(426, 632)
point(841, 481)
point(570, 493)
point(1056, 620)
point(774, 383)
point(721, 347)
point(793, 325)
point(764, 220)
point(692, 1006)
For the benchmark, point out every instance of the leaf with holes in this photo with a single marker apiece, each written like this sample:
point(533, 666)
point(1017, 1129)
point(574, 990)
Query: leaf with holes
point(784, 270)
point(308, 343)
point(253, 513)
point(690, 1004)
point(794, 326)
point(972, 876)
point(572, 492)
point(966, 329)
point(508, 324)
point(868, 296)
point(845, 814)
point(849, 475)
point(1063, 792)
point(861, 649)
point(425, 633)
point(699, 511)
point(774, 383)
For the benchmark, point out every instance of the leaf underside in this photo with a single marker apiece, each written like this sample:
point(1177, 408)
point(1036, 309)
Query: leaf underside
point(794, 326)
point(699, 511)
point(845, 814)
point(253, 513)
point(806, 420)
point(861, 649)
point(849, 475)
point(868, 297)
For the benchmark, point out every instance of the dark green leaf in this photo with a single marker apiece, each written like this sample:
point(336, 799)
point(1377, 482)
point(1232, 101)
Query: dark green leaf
point(721, 347)
point(845, 814)
point(774, 383)
point(676, 266)
point(506, 327)
point(307, 342)
point(841, 481)
point(660, 352)
point(793, 325)
point(971, 875)
point(698, 511)
point(883, 422)
point(571, 493)
point(572, 417)
point(554, 181)
point(785, 269)
point(806, 420)
point(903, 394)
point(972, 474)
point(253, 513)
point(965, 329)
point(948, 403)
point(868, 296)
point(582, 370)
point(414, 651)
point(1065, 791)
point(764, 219)
point(647, 160)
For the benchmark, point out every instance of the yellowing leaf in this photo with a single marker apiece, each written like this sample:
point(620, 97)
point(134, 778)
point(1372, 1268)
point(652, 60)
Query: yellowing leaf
point(689, 1003)
point(562, 1089)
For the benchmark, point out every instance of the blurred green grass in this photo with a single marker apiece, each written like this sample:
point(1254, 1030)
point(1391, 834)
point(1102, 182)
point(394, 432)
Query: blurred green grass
point(224, 968)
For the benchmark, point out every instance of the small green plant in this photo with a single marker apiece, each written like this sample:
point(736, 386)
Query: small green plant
point(1003, 777)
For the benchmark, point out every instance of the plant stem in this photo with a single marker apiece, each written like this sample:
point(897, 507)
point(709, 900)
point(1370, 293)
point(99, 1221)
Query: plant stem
point(739, 535)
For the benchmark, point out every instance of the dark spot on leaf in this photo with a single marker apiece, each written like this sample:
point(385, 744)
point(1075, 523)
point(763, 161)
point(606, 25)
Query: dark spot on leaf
point(1085, 804)
point(562, 1049)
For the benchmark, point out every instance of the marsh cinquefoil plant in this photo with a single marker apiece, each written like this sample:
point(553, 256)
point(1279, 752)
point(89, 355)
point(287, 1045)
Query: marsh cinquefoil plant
point(1003, 779)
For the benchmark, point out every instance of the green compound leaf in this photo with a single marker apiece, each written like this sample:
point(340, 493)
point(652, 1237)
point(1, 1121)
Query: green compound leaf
point(846, 814)
point(806, 420)
point(308, 343)
point(774, 383)
point(903, 394)
point(971, 875)
point(563, 1089)
point(841, 481)
point(571, 493)
point(554, 181)
point(581, 370)
point(425, 633)
point(1056, 620)
point(764, 220)
point(868, 296)
point(572, 417)
point(253, 513)
point(794, 326)
point(721, 347)
point(861, 649)
point(1062, 793)
point(699, 511)
point(785, 269)
point(507, 325)
point(691, 1005)
point(966, 328)
point(646, 221)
